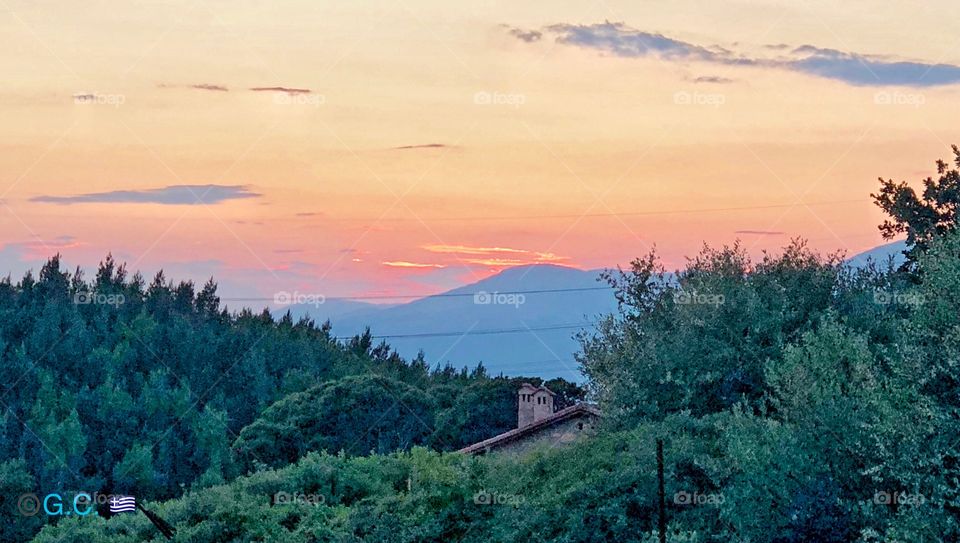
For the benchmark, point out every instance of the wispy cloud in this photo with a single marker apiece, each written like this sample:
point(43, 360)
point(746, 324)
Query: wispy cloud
point(209, 87)
point(867, 70)
point(171, 195)
point(712, 79)
point(288, 90)
point(849, 67)
point(465, 250)
point(500, 257)
point(405, 264)
point(195, 86)
point(624, 41)
point(500, 262)
point(224, 88)
point(41, 248)
point(528, 36)
point(421, 146)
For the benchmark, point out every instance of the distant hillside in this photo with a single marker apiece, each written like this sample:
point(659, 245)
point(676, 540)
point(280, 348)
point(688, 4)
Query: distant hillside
point(333, 310)
point(541, 306)
point(880, 255)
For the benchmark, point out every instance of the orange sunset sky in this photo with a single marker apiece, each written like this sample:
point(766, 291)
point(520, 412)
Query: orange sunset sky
point(368, 148)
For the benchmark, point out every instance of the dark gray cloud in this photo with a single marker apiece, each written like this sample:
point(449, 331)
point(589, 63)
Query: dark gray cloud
point(849, 67)
point(171, 195)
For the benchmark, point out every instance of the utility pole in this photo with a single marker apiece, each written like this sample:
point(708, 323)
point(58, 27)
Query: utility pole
point(662, 520)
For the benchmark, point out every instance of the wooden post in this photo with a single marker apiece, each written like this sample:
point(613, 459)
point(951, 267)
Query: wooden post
point(662, 520)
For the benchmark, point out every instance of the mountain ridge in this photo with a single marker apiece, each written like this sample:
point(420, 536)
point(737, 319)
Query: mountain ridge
point(521, 321)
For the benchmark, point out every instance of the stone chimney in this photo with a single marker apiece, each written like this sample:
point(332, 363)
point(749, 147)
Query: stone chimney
point(533, 404)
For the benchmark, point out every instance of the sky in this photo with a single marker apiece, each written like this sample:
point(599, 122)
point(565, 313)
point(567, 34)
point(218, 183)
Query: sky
point(371, 148)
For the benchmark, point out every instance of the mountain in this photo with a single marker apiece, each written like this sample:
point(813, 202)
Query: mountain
point(880, 255)
point(518, 322)
point(333, 310)
point(521, 321)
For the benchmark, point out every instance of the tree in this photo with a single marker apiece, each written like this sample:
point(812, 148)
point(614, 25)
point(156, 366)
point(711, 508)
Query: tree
point(134, 473)
point(15, 483)
point(922, 218)
point(356, 415)
point(698, 341)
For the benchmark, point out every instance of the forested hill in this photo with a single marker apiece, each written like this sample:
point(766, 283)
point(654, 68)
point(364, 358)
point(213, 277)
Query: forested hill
point(117, 384)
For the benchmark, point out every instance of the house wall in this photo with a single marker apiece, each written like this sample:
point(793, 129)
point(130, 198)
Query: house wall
point(542, 405)
point(525, 406)
point(556, 435)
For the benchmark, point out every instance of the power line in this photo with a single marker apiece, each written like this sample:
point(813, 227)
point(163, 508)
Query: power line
point(531, 366)
point(442, 295)
point(477, 332)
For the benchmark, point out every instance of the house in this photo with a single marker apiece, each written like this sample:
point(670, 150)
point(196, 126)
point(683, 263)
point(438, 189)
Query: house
point(538, 424)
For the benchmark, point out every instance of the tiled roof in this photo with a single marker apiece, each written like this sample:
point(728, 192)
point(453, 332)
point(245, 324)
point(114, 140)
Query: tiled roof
point(519, 433)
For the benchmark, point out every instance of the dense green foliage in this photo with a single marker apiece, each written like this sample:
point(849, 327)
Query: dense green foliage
point(844, 383)
point(798, 401)
point(579, 494)
point(118, 385)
